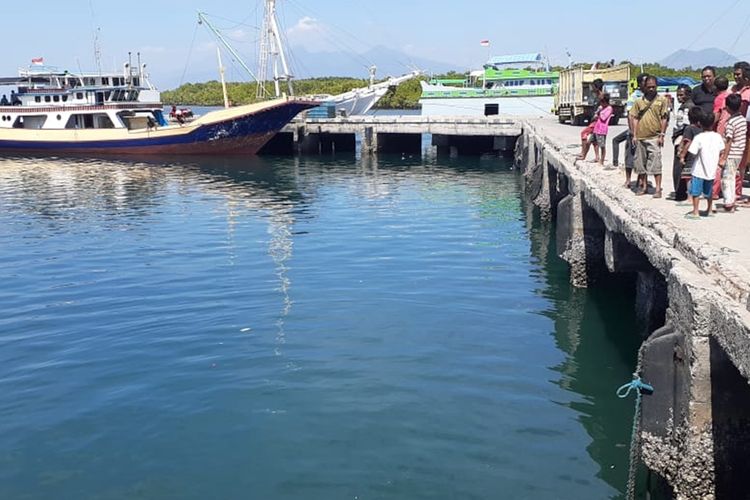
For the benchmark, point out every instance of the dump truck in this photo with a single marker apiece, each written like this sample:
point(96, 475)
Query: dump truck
point(576, 102)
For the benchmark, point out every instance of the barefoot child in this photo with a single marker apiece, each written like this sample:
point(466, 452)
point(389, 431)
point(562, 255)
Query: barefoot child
point(695, 115)
point(735, 136)
point(588, 132)
point(707, 148)
point(601, 127)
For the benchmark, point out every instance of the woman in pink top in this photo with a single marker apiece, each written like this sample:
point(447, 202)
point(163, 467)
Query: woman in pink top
point(601, 127)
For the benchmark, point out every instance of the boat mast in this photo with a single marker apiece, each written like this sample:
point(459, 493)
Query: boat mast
point(272, 48)
point(202, 20)
point(223, 82)
point(372, 70)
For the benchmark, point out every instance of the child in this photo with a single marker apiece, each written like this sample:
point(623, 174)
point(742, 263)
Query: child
point(695, 115)
point(721, 115)
point(601, 127)
point(707, 148)
point(588, 132)
point(735, 136)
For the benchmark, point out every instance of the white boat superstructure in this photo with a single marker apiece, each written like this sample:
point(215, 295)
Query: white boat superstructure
point(121, 113)
point(361, 100)
point(47, 98)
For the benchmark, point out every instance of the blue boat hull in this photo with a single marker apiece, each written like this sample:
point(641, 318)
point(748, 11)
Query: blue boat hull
point(244, 134)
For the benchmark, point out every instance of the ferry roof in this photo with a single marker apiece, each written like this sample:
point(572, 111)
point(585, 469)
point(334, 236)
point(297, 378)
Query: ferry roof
point(531, 58)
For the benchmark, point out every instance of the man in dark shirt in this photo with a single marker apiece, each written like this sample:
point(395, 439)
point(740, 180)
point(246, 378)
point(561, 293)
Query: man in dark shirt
point(705, 93)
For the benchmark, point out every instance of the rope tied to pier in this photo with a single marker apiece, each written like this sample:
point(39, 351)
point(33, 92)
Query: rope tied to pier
point(636, 384)
point(640, 388)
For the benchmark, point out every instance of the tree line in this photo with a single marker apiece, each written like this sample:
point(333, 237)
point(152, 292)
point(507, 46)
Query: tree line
point(405, 96)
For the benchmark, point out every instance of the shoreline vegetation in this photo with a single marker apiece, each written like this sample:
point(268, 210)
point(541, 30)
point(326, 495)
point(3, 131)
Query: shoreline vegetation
point(405, 96)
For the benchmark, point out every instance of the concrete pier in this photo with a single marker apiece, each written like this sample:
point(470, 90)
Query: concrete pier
point(693, 287)
point(396, 134)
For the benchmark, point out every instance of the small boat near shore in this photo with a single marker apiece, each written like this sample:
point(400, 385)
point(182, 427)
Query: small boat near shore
point(121, 113)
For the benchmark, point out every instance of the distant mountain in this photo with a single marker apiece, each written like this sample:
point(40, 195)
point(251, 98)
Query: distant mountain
point(697, 59)
point(390, 62)
point(307, 64)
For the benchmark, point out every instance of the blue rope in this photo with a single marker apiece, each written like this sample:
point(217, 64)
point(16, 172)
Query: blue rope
point(640, 388)
point(636, 384)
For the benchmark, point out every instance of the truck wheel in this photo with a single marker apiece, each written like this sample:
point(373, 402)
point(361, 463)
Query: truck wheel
point(560, 118)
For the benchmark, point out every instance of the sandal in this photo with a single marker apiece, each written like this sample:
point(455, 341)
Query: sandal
point(657, 194)
point(692, 216)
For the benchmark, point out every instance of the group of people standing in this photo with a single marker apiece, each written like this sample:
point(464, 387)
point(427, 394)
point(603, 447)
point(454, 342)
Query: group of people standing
point(710, 136)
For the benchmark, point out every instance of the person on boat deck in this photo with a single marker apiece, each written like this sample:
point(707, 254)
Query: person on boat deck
point(14, 100)
point(4, 101)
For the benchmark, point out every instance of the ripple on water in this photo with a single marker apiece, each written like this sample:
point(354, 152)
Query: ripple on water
point(283, 328)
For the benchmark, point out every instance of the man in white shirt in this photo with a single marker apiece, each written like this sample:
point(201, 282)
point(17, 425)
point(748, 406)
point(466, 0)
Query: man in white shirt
point(707, 148)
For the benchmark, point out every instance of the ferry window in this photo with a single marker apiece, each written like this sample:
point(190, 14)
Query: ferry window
point(65, 98)
point(59, 117)
point(103, 121)
point(79, 95)
point(135, 82)
point(107, 95)
point(47, 98)
point(105, 80)
point(37, 98)
point(56, 98)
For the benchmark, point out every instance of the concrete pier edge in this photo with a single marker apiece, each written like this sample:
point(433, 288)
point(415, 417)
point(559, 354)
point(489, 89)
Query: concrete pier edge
point(600, 230)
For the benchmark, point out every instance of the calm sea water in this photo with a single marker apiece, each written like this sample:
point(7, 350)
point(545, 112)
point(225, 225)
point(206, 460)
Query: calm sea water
point(283, 328)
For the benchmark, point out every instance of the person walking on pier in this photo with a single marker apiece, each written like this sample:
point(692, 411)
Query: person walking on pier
point(649, 122)
point(601, 127)
point(735, 137)
point(721, 116)
point(742, 87)
point(684, 98)
point(695, 116)
point(597, 87)
point(627, 135)
point(707, 148)
point(705, 93)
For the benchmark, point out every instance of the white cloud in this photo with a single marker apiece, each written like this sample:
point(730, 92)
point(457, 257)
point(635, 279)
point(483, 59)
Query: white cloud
point(310, 33)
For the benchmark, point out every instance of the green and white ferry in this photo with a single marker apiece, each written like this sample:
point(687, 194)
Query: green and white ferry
point(501, 87)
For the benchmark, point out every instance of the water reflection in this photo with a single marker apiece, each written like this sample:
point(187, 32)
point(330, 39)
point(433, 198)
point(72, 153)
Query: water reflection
point(396, 349)
point(596, 328)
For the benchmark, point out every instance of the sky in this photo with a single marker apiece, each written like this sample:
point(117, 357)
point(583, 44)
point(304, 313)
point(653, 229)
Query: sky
point(177, 50)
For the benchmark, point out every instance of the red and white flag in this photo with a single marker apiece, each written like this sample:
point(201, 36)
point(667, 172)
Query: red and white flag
point(484, 43)
point(38, 61)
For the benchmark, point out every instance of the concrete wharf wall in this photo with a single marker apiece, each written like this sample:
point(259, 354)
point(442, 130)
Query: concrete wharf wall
point(691, 297)
point(396, 134)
